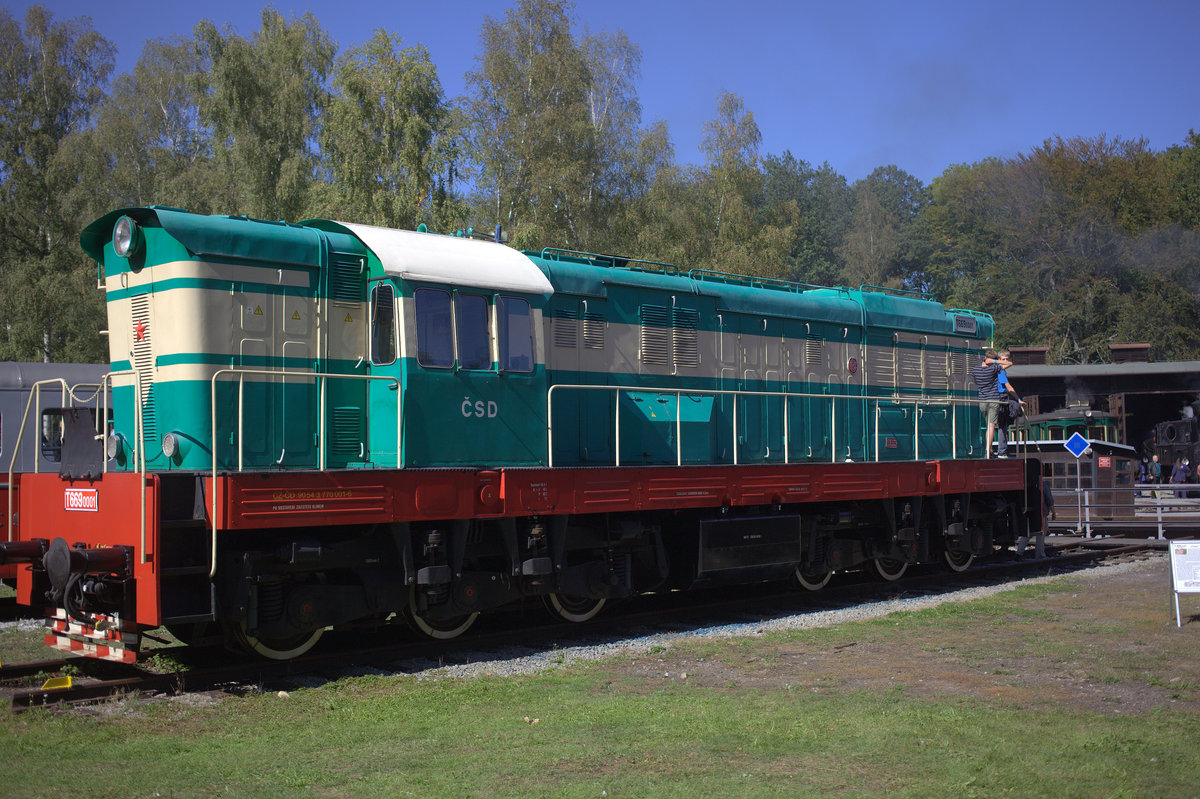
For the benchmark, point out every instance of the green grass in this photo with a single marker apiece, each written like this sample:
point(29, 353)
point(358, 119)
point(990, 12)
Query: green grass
point(779, 715)
point(395, 736)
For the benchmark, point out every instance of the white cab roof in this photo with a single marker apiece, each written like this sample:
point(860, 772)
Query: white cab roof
point(452, 260)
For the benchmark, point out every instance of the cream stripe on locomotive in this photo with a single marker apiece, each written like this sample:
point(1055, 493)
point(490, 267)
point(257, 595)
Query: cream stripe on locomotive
point(914, 363)
point(246, 314)
point(207, 329)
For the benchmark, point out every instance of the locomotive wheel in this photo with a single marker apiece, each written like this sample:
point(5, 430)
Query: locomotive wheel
point(812, 580)
point(573, 608)
point(889, 569)
point(439, 629)
point(279, 648)
point(958, 561)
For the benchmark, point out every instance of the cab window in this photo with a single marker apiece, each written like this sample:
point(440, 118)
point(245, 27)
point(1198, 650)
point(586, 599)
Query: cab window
point(52, 435)
point(516, 334)
point(435, 331)
point(473, 335)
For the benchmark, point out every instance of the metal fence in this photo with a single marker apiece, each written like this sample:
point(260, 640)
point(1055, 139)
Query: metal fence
point(1158, 509)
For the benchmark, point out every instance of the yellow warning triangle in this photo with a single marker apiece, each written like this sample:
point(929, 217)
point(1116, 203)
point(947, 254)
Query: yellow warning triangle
point(258, 311)
point(348, 319)
point(295, 314)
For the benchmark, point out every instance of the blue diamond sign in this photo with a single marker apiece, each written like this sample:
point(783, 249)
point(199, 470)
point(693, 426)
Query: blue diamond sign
point(1076, 445)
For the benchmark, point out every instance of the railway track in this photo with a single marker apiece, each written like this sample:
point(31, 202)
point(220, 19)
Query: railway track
point(26, 685)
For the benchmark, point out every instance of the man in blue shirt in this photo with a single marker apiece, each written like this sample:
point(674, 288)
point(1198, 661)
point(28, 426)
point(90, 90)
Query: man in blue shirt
point(985, 375)
point(1004, 390)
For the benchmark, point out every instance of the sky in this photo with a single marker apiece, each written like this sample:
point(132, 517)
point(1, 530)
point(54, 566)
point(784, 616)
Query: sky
point(858, 84)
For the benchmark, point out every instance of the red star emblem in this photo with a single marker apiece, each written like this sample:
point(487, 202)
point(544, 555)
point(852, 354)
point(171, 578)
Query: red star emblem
point(139, 330)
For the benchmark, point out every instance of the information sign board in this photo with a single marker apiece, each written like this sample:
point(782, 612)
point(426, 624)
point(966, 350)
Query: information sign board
point(1185, 571)
point(1076, 444)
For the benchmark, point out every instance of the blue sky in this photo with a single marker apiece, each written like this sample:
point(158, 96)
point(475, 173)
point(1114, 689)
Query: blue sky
point(857, 83)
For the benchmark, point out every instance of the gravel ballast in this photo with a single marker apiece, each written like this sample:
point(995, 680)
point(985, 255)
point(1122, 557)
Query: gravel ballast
point(528, 661)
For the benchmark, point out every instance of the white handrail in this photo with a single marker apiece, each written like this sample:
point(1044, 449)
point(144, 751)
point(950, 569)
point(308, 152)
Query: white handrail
point(322, 379)
point(34, 401)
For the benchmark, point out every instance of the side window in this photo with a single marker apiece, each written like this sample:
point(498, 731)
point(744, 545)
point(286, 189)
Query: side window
point(52, 435)
point(435, 332)
point(471, 325)
point(383, 324)
point(516, 335)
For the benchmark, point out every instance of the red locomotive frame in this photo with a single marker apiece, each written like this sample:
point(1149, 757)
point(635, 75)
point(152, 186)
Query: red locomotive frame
point(108, 512)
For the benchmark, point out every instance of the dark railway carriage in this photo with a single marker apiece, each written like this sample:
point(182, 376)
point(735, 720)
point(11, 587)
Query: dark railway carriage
point(36, 401)
point(1105, 473)
point(62, 386)
point(331, 424)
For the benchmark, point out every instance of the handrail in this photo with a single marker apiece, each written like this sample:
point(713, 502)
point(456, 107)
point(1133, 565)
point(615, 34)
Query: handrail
point(322, 383)
point(1165, 502)
point(34, 401)
point(924, 295)
point(553, 253)
point(832, 399)
point(753, 281)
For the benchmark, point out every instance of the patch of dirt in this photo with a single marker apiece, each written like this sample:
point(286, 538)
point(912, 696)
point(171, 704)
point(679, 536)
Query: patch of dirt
point(1108, 644)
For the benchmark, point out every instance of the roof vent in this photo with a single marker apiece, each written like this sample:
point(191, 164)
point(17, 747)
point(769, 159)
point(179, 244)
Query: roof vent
point(1130, 353)
point(1030, 356)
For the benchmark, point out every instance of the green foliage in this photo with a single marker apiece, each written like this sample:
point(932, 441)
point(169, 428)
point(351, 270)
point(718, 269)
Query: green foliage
point(148, 144)
point(1076, 244)
point(822, 204)
point(386, 142)
point(262, 99)
point(51, 80)
point(549, 122)
point(1078, 241)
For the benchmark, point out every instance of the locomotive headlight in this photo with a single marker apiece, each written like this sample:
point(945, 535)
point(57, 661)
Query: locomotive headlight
point(174, 445)
point(114, 447)
point(127, 237)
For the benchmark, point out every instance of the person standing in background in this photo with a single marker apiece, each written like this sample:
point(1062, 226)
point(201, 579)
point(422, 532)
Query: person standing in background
point(1179, 475)
point(1039, 535)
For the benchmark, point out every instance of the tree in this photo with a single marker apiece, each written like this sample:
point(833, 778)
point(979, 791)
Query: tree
point(730, 147)
point(385, 144)
point(262, 99)
point(871, 244)
point(51, 79)
point(885, 245)
point(527, 119)
point(148, 145)
point(549, 120)
point(823, 204)
point(1073, 245)
point(623, 157)
point(1181, 169)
